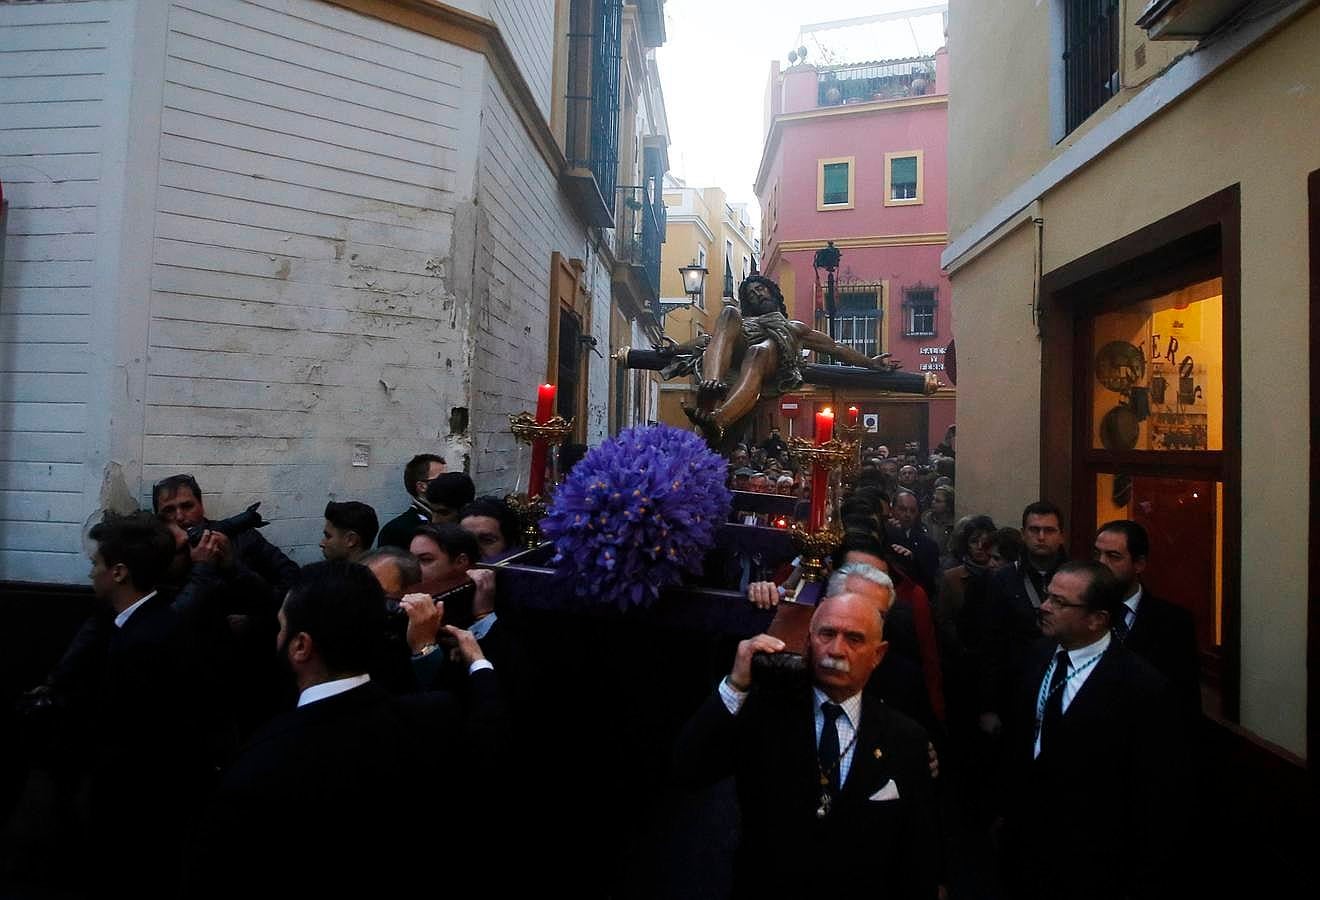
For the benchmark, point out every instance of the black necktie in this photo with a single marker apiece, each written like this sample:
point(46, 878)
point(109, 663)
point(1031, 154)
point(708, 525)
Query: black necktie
point(1054, 699)
point(828, 751)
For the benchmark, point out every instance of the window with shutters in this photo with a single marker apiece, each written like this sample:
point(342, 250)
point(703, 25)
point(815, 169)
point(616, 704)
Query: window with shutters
point(919, 304)
point(904, 182)
point(835, 183)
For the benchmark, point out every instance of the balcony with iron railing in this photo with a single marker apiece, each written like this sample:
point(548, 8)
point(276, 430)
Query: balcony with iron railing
point(592, 127)
point(639, 231)
point(841, 85)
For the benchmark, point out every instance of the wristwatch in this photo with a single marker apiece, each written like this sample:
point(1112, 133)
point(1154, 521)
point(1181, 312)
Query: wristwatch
point(426, 651)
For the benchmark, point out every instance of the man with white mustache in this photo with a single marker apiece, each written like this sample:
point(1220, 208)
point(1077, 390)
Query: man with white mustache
point(822, 770)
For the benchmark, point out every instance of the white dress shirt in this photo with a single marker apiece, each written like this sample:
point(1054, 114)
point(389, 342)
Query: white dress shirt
point(327, 689)
point(846, 724)
point(1132, 603)
point(1082, 663)
point(123, 616)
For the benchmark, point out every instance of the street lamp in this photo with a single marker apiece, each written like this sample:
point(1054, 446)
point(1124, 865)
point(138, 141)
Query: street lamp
point(827, 258)
point(694, 279)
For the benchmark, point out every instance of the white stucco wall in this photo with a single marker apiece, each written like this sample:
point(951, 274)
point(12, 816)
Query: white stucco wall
point(320, 232)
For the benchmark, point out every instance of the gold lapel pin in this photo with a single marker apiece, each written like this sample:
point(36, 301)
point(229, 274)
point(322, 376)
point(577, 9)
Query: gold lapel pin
point(879, 753)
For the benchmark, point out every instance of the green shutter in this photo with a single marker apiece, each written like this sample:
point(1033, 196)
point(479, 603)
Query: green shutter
point(836, 183)
point(903, 178)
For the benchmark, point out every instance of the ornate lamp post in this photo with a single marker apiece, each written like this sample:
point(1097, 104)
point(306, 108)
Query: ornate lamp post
point(828, 258)
point(694, 279)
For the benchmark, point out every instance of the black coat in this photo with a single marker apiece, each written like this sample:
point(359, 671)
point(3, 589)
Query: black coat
point(874, 848)
point(254, 552)
point(361, 788)
point(1010, 627)
point(159, 732)
point(398, 532)
point(1108, 786)
point(925, 569)
point(1164, 635)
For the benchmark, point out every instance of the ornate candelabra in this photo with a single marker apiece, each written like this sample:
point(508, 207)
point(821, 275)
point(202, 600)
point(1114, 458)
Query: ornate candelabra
point(850, 436)
point(822, 535)
point(531, 505)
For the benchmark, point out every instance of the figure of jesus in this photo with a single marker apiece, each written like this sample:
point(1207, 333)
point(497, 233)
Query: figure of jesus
point(755, 352)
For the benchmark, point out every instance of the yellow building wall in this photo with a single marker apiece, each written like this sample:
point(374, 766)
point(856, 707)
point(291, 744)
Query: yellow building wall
point(1254, 124)
point(998, 381)
point(1004, 109)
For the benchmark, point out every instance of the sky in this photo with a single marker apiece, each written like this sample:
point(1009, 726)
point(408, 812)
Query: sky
point(714, 66)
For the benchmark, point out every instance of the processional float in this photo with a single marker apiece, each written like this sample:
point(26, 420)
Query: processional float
point(642, 523)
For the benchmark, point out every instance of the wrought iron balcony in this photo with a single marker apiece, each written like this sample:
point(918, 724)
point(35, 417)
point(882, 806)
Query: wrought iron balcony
point(592, 130)
point(639, 232)
point(877, 81)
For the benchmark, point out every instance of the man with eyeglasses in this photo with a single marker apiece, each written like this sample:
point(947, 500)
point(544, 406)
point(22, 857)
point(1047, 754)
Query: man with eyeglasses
point(1092, 756)
point(1012, 609)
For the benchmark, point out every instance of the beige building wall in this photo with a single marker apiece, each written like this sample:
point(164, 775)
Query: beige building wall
point(1255, 123)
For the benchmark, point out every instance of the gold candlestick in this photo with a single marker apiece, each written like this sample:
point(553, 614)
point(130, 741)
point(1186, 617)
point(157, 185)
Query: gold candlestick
point(532, 509)
point(850, 436)
point(816, 546)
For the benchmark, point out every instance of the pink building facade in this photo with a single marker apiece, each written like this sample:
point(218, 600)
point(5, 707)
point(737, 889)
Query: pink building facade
point(858, 155)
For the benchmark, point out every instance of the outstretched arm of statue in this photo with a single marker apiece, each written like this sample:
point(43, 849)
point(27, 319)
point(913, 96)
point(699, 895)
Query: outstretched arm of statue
point(823, 343)
point(687, 348)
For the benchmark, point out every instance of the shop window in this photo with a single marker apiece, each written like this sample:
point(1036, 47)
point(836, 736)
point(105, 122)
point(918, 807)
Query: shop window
point(1159, 373)
point(1154, 418)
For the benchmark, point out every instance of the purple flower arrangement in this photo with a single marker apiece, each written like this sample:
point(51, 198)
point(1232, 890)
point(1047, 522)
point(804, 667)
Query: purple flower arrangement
point(637, 513)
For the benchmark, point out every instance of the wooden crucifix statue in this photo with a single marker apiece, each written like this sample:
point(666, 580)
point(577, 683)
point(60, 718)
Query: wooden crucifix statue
point(755, 353)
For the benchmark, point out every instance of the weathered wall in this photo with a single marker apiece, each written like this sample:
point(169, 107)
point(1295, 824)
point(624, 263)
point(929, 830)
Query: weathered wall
point(523, 220)
point(64, 108)
point(528, 29)
point(272, 217)
point(306, 293)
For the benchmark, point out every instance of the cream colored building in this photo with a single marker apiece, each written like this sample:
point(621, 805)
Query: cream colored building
point(703, 228)
point(1129, 260)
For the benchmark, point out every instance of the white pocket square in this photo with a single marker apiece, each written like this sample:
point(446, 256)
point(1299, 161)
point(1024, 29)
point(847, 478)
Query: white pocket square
point(888, 792)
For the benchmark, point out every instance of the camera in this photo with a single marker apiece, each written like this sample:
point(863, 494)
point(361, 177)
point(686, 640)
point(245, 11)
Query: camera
point(458, 609)
point(779, 670)
point(230, 527)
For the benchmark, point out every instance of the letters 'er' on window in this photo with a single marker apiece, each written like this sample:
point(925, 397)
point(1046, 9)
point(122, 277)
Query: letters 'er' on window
point(1158, 373)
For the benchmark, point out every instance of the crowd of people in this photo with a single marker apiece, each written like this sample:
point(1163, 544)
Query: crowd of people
point(943, 672)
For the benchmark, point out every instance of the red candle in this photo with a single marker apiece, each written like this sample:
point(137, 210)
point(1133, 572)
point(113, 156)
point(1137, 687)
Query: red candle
point(853, 415)
point(824, 426)
point(820, 474)
point(545, 405)
point(545, 402)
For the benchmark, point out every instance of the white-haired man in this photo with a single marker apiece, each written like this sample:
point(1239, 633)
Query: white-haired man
point(820, 764)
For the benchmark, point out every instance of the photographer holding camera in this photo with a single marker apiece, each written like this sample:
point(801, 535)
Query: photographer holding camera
point(820, 766)
point(177, 500)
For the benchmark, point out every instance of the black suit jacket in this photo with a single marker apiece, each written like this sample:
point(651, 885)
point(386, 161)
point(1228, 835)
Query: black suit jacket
point(361, 788)
point(159, 732)
point(398, 532)
point(1164, 635)
point(925, 555)
point(1010, 628)
point(876, 848)
point(1108, 784)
